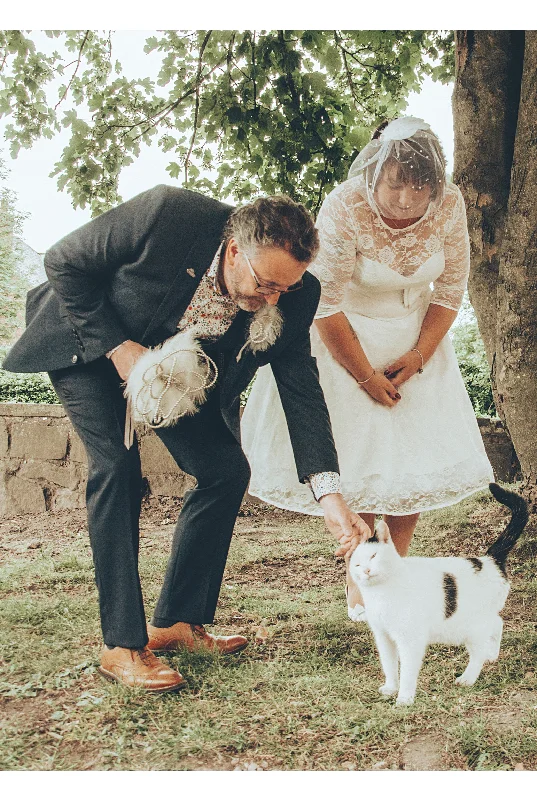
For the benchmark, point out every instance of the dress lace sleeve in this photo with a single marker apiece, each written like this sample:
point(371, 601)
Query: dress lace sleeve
point(336, 260)
point(449, 287)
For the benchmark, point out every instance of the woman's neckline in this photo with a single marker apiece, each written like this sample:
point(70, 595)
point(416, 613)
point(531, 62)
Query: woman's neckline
point(412, 222)
point(392, 223)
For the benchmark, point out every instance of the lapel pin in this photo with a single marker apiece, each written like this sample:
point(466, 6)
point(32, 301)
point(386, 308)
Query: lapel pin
point(191, 272)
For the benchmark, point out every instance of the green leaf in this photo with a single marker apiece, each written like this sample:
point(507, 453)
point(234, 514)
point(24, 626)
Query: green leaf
point(173, 169)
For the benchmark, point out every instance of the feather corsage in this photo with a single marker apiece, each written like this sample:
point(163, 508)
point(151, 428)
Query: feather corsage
point(170, 381)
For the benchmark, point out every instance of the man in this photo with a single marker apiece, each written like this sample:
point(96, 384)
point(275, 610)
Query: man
point(172, 259)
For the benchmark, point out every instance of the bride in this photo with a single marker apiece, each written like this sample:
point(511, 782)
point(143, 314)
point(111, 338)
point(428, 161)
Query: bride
point(393, 268)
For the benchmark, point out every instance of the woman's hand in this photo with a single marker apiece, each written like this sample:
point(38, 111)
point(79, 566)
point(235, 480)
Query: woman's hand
point(404, 368)
point(382, 390)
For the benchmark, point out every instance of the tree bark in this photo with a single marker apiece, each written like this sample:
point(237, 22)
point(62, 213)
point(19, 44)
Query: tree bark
point(485, 107)
point(516, 353)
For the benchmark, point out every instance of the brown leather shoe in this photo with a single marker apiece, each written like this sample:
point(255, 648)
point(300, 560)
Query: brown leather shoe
point(139, 669)
point(193, 637)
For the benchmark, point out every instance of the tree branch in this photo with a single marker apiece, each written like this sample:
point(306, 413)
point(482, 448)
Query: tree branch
point(348, 72)
point(197, 104)
point(254, 67)
point(62, 98)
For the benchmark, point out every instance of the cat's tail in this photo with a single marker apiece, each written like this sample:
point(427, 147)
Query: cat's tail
point(519, 517)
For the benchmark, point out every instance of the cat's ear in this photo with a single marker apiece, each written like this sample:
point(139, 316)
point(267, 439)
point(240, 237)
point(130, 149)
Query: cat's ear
point(382, 532)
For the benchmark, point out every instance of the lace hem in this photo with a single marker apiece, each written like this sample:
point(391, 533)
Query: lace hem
point(374, 496)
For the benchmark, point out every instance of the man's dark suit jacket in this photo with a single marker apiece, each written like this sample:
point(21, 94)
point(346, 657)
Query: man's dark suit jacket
point(132, 272)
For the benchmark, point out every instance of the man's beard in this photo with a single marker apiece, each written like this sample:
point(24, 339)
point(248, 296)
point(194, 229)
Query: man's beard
point(247, 303)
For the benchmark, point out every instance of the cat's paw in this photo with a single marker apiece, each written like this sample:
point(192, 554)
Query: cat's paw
point(464, 680)
point(404, 699)
point(388, 691)
point(357, 614)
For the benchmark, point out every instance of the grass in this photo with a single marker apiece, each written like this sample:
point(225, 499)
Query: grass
point(303, 696)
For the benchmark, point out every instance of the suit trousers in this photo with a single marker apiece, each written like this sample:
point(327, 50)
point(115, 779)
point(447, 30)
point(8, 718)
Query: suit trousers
point(202, 446)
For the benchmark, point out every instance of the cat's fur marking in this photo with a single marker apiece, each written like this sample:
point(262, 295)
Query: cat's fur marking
point(476, 563)
point(450, 595)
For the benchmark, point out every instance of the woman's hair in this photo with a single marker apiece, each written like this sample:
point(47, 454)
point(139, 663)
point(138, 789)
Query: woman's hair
point(275, 222)
point(378, 131)
point(417, 161)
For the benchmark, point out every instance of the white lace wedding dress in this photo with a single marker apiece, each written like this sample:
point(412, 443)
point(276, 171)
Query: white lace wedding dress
point(424, 453)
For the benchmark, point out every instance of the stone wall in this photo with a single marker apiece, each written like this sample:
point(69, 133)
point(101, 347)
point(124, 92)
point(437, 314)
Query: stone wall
point(43, 463)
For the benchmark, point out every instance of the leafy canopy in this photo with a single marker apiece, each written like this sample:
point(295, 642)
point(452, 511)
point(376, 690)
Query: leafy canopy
point(240, 112)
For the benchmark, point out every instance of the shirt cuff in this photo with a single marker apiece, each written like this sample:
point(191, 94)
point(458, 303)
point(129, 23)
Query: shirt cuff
point(322, 483)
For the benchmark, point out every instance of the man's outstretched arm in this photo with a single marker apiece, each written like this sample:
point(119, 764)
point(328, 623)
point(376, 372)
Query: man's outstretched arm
point(310, 430)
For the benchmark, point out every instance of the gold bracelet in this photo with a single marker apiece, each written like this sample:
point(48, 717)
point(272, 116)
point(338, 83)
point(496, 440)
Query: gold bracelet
point(361, 383)
point(415, 350)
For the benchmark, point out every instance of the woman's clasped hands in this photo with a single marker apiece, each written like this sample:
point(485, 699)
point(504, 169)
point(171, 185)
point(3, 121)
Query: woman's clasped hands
point(384, 386)
point(404, 368)
point(381, 389)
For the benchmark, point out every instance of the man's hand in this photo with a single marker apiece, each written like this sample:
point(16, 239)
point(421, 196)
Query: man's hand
point(125, 357)
point(347, 527)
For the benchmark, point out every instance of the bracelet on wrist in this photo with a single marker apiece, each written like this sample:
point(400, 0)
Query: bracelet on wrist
point(415, 350)
point(361, 383)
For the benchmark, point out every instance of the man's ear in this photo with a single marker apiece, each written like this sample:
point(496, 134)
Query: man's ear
point(232, 250)
point(382, 532)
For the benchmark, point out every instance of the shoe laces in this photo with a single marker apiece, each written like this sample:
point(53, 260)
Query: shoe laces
point(146, 656)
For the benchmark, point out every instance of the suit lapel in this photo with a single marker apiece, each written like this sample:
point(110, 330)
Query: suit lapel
point(187, 280)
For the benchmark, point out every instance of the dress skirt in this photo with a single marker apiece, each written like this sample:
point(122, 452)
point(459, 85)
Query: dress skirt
point(424, 453)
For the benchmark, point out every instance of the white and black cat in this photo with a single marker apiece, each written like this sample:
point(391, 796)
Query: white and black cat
point(413, 602)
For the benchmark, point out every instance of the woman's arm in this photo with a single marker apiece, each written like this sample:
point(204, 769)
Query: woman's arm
point(436, 323)
point(334, 267)
point(342, 342)
point(446, 298)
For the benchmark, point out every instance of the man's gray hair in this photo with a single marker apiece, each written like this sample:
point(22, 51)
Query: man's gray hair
point(275, 222)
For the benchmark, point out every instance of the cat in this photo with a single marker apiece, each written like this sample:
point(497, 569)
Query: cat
point(413, 602)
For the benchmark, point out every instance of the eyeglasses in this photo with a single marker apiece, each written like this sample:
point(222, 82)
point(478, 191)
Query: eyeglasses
point(268, 290)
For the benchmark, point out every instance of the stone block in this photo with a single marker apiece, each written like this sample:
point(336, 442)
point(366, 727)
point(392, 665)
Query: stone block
point(66, 475)
point(24, 497)
point(77, 451)
point(170, 485)
point(31, 410)
point(155, 457)
point(4, 438)
point(5, 510)
point(38, 438)
point(66, 499)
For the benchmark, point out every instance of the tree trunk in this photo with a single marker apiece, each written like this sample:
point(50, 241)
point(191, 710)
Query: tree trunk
point(516, 352)
point(485, 108)
point(495, 113)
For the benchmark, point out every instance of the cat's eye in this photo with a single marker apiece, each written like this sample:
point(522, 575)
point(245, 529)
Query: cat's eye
point(373, 556)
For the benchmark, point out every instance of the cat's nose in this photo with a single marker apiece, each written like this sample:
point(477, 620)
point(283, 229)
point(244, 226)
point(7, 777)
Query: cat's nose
point(367, 571)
